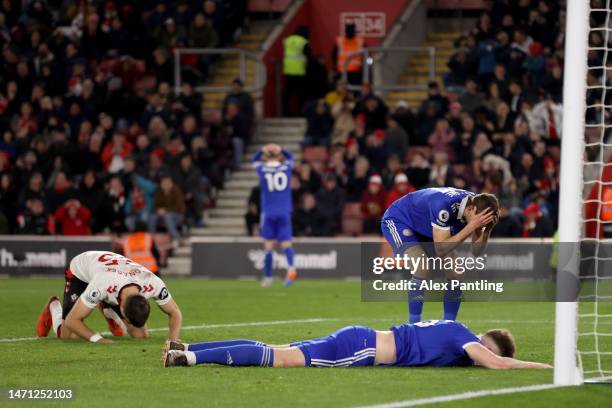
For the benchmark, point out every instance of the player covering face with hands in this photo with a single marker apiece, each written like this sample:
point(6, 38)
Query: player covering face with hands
point(118, 286)
point(430, 343)
point(438, 220)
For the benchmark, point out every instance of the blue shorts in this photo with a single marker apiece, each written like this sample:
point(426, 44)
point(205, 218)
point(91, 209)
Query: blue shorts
point(351, 346)
point(277, 227)
point(401, 236)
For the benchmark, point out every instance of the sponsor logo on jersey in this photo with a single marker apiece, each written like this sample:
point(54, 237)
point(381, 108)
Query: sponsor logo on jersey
point(443, 216)
point(92, 296)
point(163, 294)
point(406, 232)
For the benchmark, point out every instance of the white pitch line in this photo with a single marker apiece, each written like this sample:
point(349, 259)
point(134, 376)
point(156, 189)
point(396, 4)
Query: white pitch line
point(203, 326)
point(462, 396)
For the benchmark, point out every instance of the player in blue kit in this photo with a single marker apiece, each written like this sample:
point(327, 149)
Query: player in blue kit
point(274, 165)
point(445, 217)
point(436, 343)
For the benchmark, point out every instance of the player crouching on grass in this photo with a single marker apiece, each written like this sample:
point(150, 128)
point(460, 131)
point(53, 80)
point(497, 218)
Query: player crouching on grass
point(436, 343)
point(117, 285)
point(274, 165)
point(442, 218)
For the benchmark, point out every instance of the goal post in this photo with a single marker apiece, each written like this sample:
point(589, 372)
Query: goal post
point(566, 371)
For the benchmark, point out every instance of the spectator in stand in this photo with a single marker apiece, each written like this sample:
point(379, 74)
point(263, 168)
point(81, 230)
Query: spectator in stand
point(169, 35)
point(239, 130)
point(244, 100)
point(8, 200)
point(189, 181)
point(308, 221)
point(34, 190)
point(442, 138)
point(373, 204)
point(201, 33)
point(115, 152)
point(440, 169)
point(343, 122)
point(253, 213)
point(116, 204)
point(375, 113)
point(401, 187)
point(537, 224)
point(418, 170)
point(93, 197)
point(34, 220)
point(319, 123)
point(330, 200)
point(471, 99)
point(169, 206)
point(358, 180)
point(339, 94)
point(435, 97)
point(61, 191)
point(73, 218)
point(139, 201)
point(396, 139)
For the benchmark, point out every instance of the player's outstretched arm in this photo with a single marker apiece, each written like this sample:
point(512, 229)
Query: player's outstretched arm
point(484, 357)
point(175, 319)
point(75, 322)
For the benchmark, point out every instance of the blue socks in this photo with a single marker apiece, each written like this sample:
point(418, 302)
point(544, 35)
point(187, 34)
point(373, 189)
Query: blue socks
point(241, 355)
point(452, 301)
point(207, 345)
point(289, 253)
point(415, 299)
point(268, 264)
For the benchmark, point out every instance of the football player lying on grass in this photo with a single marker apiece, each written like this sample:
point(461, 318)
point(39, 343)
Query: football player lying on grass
point(118, 286)
point(437, 343)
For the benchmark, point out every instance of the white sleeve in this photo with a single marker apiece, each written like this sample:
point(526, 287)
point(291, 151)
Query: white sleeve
point(93, 294)
point(161, 295)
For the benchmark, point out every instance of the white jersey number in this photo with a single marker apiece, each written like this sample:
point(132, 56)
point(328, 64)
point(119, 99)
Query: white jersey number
point(276, 181)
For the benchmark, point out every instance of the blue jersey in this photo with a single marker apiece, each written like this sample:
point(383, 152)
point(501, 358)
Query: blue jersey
point(275, 183)
point(422, 210)
point(436, 343)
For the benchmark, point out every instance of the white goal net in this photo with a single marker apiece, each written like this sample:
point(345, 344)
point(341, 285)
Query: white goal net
point(594, 330)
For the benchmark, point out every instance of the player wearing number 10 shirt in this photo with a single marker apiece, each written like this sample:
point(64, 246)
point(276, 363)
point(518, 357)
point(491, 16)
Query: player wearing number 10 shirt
point(274, 165)
point(120, 287)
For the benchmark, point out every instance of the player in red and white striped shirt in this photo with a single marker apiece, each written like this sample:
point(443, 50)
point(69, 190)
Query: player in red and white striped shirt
point(116, 284)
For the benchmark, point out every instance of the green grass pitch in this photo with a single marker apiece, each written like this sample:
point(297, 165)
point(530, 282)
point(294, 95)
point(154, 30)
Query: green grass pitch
point(130, 373)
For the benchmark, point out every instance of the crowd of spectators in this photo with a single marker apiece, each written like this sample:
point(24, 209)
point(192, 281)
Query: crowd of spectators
point(494, 126)
point(92, 137)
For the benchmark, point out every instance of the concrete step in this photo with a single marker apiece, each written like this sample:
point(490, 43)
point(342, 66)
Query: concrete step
point(292, 147)
point(177, 266)
point(252, 37)
point(255, 46)
point(236, 194)
point(183, 251)
point(408, 94)
point(282, 121)
point(283, 130)
point(280, 138)
point(243, 175)
point(232, 202)
point(227, 212)
point(224, 222)
point(240, 183)
point(220, 231)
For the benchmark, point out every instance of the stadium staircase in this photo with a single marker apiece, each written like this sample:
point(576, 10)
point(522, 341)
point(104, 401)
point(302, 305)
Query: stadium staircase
point(228, 68)
point(227, 218)
point(417, 71)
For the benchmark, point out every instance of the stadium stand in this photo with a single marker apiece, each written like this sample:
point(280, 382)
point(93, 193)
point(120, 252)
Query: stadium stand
point(89, 122)
point(489, 121)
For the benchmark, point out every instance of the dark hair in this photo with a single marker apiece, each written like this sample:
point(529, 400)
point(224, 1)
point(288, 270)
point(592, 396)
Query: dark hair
point(503, 340)
point(136, 310)
point(483, 201)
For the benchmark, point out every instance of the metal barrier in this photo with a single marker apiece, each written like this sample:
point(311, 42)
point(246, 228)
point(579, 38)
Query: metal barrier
point(372, 62)
point(243, 55)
